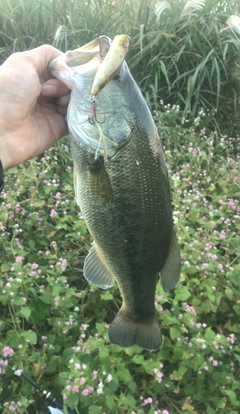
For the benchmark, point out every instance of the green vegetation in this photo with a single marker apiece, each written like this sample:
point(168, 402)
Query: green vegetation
point(53, 324)
point(179, 50)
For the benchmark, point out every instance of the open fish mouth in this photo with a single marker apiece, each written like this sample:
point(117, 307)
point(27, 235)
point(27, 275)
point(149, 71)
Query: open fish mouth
point(112, 55)
point(87, 70)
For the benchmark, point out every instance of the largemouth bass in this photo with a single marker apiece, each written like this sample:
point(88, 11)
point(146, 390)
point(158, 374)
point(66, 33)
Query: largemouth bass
point(121, 186)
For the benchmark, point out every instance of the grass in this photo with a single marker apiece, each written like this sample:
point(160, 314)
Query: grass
point(182, 52)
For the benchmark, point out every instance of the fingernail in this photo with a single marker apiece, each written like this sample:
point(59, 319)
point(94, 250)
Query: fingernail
point(48, 89)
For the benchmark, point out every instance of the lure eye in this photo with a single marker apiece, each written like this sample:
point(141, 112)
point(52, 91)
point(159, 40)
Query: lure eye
point(116, 77)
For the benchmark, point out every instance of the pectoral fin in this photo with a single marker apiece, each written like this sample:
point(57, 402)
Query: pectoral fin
point(171, 270)
point(96, 271)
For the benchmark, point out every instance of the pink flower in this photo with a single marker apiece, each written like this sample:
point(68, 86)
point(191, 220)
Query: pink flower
point(58, 195)
point(35, 266)
point(85, 392)
point(82, 380)
point(19, 259)
point(232, 205)
point(75, 388)
point(64, 396)
point(68, 387)
point(64, 265)
point(53, 213)
point(7, 351)
point(56, 300)
point(165, 412)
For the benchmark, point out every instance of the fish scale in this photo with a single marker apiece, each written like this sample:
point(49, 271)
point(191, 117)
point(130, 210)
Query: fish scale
point(122, 189)
point(132, 246)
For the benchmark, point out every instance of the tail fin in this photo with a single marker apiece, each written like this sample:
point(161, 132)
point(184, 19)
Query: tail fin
point(125, 331)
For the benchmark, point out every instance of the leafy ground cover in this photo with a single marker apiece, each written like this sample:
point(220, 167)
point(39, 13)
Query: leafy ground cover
point(53, 324)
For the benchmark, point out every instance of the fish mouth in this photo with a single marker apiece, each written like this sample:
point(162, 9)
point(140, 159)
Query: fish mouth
point(97, 47)
point(111, 54)
point(97, 62)
point(106, 58)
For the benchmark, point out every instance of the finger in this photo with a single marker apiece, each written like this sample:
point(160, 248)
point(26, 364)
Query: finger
point(41, 56)
point(54, 87)
point(64, 100)
point(62, 110)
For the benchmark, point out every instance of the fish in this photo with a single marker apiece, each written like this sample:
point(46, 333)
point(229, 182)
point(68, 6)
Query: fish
point(121, 186)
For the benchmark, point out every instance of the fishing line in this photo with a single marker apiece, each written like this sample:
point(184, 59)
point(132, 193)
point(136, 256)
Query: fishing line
point(97, 123)
point(103, 140)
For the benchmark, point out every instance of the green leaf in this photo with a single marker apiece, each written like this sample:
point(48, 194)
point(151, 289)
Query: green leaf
point(209, 335)
point(5, 267)
point(182, 294)
point(31, 244)
point(111, 403)
point(103, 354)
point(229, 293)
point(128, 401)
point(237, 357)
point(175, 332)
point(18, 301)
point(138, 359)
point(30, 337)
point(26, 312)
point(94, 410)
point(107, 295)
point(232, 396)
point(7, 411)
point(58, 288)
point(47, 298)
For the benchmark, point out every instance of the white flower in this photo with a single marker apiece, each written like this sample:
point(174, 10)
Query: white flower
point(100, 388)
point(109, 377)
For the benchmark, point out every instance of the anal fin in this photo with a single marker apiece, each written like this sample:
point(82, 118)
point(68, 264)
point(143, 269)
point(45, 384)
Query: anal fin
point(95, 269)
point(170, 273)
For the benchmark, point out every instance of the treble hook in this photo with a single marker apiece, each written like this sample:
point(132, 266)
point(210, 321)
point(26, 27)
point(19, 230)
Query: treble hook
point(100, 49)
point(94, 119)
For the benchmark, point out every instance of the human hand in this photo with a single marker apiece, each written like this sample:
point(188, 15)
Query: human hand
point(32, 106)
